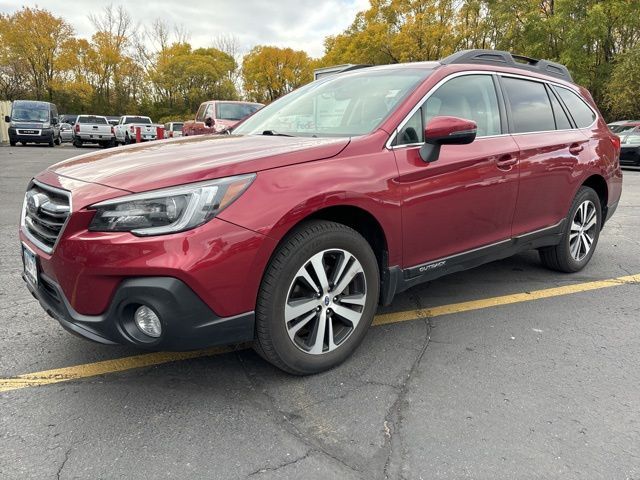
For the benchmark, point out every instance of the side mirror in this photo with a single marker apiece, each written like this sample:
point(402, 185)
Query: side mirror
point(54, 121)
point(7, 118)
point(446, 131)
point(209, 122)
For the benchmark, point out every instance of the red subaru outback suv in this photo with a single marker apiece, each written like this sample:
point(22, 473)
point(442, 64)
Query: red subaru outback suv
point(291, 230)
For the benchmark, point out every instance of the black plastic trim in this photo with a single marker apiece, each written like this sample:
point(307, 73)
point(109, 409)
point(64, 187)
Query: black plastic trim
point(507, 59)
point(412, 276)
point(188, 323)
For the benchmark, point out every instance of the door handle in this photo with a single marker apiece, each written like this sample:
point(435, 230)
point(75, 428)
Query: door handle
point(576, 148)
point(505, 162)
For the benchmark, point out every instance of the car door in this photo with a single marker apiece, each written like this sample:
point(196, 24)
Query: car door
point(550, 149)
point(466, 198)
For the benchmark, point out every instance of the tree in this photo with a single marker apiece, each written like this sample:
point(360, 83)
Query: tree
point(271, 72)
point(622, 90)
point(33, 37)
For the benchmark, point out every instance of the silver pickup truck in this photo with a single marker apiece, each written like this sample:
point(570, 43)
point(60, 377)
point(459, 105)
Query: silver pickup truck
point(93, 129)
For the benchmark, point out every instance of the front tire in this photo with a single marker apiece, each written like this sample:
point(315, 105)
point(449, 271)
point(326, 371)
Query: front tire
point(58, 140)
point(581, 234)
point(317, 299)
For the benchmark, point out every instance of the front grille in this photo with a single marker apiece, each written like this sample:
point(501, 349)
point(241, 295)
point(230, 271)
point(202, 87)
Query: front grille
point(44, 214)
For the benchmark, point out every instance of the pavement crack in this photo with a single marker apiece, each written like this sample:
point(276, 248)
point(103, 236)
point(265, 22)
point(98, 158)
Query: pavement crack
point(282, 465)
point(393, 419)
point(64, 462)
point(314, 444)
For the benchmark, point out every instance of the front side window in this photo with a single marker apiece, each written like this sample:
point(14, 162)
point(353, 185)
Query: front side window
point(581, 113)
point(530, 106)
point(344, 105)
point(211, 111)
point(200, 114)
point(471, 97)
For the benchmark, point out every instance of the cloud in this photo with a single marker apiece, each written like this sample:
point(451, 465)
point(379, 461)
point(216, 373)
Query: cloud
point(299, 24)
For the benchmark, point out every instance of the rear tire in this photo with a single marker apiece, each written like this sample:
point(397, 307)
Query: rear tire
point(58, 140)
point(580, 237)
point(77, 143)
point(304, 323)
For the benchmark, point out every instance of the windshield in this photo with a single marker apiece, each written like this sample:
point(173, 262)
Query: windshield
point(236, 111)
point(177, 127)
point(30, 112)
point(631, 136)
point(342, 105)
point(621, 128)
point(143, 120)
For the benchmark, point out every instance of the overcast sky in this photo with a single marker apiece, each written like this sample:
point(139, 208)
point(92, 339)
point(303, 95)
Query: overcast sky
point(299, 24)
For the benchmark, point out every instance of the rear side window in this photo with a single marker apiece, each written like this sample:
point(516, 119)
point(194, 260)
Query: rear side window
point(581, 113)
point(562, 121)
point(92, 120)
point(530, 106)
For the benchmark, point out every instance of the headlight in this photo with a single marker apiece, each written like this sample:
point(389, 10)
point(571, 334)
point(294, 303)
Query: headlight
point(168, 210)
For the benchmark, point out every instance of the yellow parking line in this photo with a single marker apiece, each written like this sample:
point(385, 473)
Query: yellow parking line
point(76, 372)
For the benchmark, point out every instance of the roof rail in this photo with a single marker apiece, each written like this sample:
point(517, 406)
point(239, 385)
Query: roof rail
point(507, 59)
point(327, 71)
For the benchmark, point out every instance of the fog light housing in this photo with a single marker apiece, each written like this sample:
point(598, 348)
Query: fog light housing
point(148, 322)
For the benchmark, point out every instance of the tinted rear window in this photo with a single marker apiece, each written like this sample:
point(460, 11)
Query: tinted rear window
point(530, 106)
point(143, 120)
point(581, 113)
point(177, 127)
point(92, 120)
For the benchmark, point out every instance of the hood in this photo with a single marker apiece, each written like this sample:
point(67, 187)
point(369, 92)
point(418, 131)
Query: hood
point(165, 163)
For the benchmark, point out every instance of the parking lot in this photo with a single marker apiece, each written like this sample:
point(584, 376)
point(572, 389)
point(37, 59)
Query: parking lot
point(506, 371)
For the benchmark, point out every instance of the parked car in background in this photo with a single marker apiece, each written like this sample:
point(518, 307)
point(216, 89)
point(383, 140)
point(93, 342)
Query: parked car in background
point(93, 129)
point(66, 132)
point(173, 129)
point(621, 125)
point(125, 130)
point(68, 118)
point(630, 144)
point(290, 238)
point(33, 122)
point(113, 119)
point(217, 116)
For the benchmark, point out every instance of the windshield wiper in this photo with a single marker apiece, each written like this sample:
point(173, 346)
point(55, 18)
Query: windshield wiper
point(275, 134)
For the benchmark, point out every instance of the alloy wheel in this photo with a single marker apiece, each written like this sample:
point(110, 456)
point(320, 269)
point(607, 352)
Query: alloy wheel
point(583, 230)
point(325, 301)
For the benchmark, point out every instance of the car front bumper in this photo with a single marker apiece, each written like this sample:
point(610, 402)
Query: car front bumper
point(187, 322)
point(44, 135)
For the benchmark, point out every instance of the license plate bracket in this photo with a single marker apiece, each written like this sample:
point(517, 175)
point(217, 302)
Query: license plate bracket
point(30, 262)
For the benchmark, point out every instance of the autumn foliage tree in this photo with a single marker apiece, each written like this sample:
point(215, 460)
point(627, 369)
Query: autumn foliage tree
point(32, 37)
point(127, 68)
point(270, 72)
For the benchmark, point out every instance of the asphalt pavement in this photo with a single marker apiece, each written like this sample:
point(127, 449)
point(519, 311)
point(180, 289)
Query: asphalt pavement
point(544, 388)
